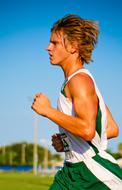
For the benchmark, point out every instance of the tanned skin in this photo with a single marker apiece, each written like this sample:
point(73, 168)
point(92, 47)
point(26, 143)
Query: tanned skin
point(80, 90)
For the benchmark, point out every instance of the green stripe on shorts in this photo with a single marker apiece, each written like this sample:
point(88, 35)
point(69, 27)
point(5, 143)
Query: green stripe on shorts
point(76, 176)
point(112, 167)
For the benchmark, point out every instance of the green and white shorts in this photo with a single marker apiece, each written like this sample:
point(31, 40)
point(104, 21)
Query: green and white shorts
point(96, 173)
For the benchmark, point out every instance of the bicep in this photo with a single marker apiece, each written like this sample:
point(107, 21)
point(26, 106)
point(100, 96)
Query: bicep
point(85, 103)
point(86, 108)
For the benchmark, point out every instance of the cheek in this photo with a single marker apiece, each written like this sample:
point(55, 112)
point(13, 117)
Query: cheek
point(57, 52)
point(61, 51)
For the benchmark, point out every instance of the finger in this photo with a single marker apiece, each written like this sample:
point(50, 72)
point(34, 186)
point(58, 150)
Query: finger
point(57, 144)
point(56, 141)
point(57, 147)
point(38, 95)
point(56, 135)
point(33, 106)
point(34, 99)
point(59, 150)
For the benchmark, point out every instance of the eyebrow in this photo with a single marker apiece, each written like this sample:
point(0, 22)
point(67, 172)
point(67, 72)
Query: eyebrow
point(54, 41)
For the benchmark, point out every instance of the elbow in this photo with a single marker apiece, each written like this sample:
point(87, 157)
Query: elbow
point(116, 133)
point(112, 132)
point(88, 134)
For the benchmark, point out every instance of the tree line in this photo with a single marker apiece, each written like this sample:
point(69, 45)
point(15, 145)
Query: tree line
point(22, 154)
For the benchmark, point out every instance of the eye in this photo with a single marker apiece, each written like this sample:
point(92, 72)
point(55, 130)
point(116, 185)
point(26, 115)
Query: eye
point(54, 43)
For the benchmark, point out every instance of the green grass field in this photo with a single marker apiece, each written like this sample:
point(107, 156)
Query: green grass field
point(24, 181)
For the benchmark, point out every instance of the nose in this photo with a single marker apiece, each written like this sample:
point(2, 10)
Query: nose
point(48, 47)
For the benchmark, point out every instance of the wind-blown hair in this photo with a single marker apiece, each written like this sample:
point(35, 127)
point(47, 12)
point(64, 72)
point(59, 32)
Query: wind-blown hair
point(83, 32)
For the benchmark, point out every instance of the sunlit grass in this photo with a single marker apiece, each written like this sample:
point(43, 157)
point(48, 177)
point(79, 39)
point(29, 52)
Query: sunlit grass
point(24, 181)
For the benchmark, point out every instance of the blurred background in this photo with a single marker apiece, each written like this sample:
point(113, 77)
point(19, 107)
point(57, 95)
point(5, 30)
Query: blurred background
point(25, 138)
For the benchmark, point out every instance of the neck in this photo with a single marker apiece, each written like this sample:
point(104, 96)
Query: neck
point(70, 67)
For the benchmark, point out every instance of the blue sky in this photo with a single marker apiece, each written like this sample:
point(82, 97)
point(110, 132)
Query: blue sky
point(25, 68)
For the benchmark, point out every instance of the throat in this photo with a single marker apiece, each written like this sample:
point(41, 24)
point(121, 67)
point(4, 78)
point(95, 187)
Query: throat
point(72, 70)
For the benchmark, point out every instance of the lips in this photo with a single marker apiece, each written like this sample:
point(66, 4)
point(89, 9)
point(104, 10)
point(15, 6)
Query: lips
point(50, 56)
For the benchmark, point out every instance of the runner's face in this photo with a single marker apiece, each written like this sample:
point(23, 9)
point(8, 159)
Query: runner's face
point(58, 53)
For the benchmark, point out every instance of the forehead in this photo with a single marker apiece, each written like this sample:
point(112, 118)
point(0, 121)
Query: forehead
point(56, 37)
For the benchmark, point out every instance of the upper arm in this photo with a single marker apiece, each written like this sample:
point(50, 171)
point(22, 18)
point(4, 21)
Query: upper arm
point(85, 101)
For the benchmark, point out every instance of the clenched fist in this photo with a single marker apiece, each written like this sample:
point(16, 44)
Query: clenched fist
point(41, 104)
point(57, 143)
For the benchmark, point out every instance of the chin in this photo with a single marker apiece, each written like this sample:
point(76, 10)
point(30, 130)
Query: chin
point(53, 63)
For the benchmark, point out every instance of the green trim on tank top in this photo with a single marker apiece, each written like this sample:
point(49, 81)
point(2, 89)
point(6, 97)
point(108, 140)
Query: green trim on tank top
point(98, 122)
point(99, 114)
point(93, 146)
point(98, 130)
point(63, 86)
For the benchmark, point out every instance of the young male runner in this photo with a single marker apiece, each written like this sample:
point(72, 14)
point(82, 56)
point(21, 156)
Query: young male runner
point(84, 120)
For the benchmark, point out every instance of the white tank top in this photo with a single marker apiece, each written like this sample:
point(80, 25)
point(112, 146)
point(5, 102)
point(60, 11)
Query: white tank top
point(76, 148)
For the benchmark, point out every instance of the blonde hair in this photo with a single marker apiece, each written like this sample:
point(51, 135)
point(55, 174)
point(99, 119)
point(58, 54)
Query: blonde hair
point(84, 32)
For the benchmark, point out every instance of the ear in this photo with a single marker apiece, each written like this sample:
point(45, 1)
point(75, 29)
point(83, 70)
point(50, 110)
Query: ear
point(73, 47)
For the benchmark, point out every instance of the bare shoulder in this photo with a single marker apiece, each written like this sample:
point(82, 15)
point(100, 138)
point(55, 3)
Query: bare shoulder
point(81, 83)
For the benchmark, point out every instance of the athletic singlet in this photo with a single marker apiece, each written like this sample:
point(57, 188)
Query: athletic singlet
point(91, 155)
point(76, 148)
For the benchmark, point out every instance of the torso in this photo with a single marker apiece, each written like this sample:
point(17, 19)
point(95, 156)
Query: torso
point(79, 149)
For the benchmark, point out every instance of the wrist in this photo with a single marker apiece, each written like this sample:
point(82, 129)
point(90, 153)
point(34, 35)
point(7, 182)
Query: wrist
point(47, 112)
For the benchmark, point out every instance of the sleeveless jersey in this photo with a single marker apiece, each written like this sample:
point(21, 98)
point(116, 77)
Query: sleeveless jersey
point(90, 154)
point(77, 148)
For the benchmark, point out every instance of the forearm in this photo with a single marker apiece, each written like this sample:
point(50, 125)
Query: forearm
point(74, 125)
point(112, 127)
point(82, 125)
